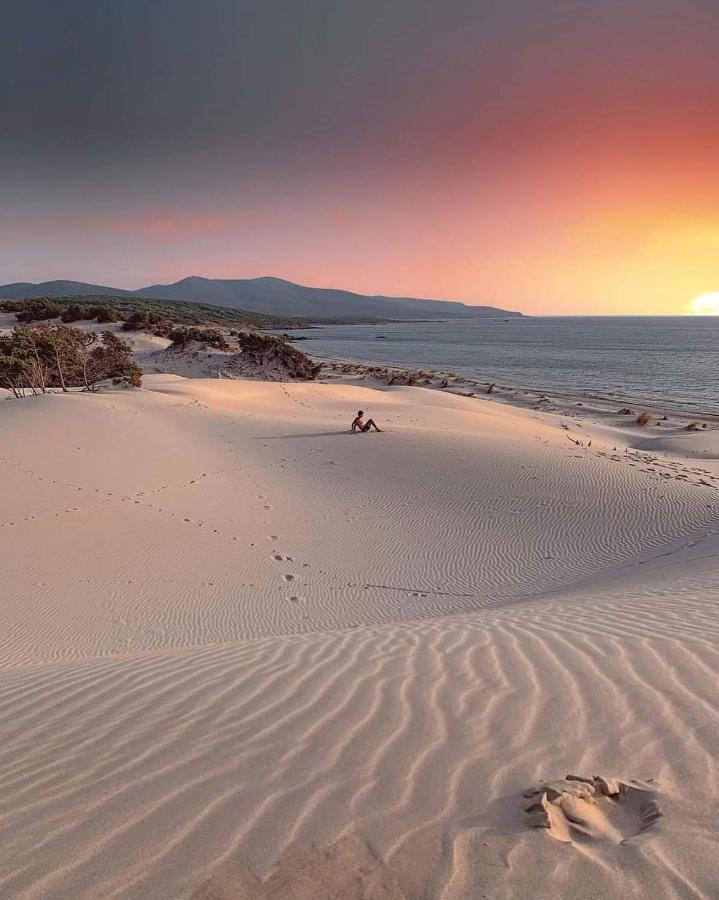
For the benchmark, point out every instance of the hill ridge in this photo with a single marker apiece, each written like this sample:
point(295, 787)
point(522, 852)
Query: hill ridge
point(270, 295)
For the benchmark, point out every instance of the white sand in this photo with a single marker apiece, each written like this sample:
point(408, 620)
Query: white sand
point(240, 644)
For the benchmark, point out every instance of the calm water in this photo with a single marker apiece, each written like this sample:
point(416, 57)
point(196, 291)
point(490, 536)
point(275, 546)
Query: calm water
point(672, 360)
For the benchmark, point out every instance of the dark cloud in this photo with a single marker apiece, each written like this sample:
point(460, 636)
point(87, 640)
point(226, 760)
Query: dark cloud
point(92, 80)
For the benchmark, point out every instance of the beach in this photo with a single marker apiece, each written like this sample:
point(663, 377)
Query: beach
point(247, 654)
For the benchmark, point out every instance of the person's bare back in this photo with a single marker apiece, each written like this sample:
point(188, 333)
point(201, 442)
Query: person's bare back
point(359, 425)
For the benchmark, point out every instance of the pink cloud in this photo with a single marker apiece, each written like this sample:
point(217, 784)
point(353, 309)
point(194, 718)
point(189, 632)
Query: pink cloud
point(178, 223)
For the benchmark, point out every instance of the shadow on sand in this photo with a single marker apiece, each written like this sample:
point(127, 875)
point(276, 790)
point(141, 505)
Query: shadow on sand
point(309, 434)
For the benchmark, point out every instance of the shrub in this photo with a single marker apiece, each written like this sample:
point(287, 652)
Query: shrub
point(112, 359)
point(37, 310)
point(211, 337)
point(264, 352)
point(105, 314)
point(694, 426)
point(75, 312)
point(643, 419)
point(39, 357)
point(13, 362)
point(78, 312)
point(145, 321)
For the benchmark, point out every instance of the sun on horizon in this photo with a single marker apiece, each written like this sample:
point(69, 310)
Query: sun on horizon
point(705, 304)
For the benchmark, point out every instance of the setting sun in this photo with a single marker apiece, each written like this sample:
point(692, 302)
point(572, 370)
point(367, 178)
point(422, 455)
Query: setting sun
point(706, 304)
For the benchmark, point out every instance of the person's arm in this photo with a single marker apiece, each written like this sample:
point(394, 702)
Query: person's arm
point(354, 425)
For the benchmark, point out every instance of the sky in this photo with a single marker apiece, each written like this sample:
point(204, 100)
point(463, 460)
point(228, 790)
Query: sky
point(551, 156)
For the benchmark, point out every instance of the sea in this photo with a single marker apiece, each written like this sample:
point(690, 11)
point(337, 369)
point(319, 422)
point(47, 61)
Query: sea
point(671, 361)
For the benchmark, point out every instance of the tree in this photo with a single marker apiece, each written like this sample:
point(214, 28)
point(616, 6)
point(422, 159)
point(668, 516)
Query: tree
point(30, 349)
point(143, 320)
point(76, 312)
point(57, 343)
point(42, 356)
point(37, 310)
point(12, 367)
point(111, 359)
point(209, 337)
point(105, 314)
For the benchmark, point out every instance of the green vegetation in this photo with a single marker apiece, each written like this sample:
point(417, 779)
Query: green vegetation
point(180, 312)
point(142, 320)
point(209, 337)
point(34, 358)
point(78, 312)
point(265, 352)
point(38, 310)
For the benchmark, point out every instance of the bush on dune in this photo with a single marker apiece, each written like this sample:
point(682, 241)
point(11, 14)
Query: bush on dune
point(105, 314)
point(209, 337)
point(35, 358)
point(142, 320)
point(77, 312)
point(262, 353)
point(36, 310)
point(111, 358)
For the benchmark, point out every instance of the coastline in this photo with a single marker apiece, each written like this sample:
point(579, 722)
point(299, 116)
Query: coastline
point(577, 405)
point(668, 364)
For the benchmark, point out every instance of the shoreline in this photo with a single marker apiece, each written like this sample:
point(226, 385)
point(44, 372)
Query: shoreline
point(663, 367)
point(582, 405)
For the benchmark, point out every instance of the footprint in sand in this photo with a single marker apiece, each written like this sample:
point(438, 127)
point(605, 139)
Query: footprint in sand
point(576, 809)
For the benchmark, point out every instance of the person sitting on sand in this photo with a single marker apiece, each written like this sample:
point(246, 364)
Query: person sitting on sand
point(360, 425)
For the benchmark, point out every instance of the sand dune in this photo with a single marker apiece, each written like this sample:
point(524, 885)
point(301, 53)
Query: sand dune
point(246, 653)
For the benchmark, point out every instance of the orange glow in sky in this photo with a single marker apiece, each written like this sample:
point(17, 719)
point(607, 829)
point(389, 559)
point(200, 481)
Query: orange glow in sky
point(549, 157)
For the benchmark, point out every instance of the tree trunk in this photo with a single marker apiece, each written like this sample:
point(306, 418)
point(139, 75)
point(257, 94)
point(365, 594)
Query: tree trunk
point(59, 370)
point(39, 369)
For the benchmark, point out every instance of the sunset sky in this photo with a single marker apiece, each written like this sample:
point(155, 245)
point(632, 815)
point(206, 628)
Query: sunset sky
point(551, 156)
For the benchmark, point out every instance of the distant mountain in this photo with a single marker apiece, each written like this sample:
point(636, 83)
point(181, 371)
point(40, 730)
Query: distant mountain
point(271, 296)
point(22, 289)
